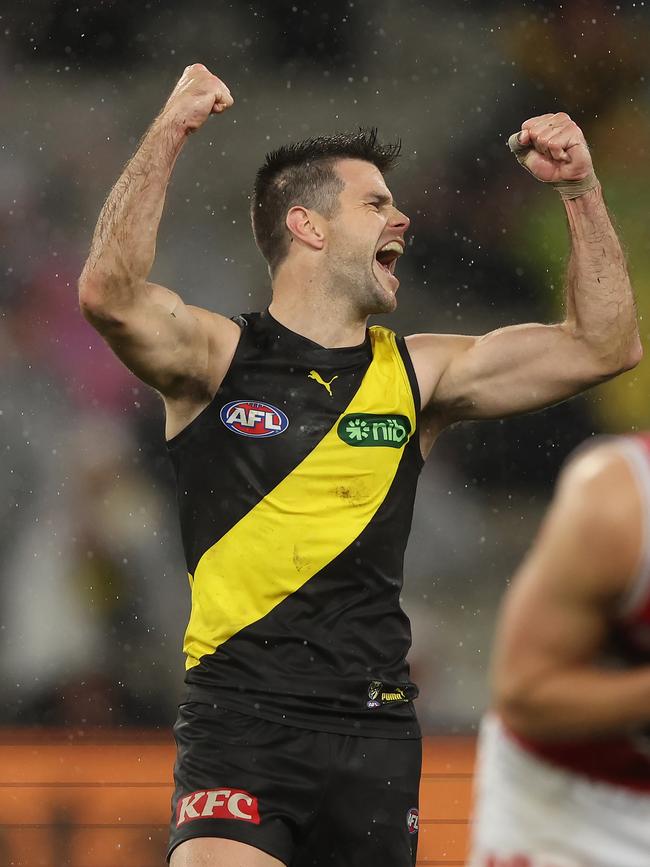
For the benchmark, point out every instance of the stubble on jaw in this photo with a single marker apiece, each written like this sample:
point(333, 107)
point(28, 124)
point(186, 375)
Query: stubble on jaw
point(360, 289)
point(349, 279)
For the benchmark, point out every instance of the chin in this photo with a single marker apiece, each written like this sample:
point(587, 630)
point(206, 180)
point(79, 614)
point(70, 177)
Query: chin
point(387, 304)
point(372, 296)
point(383, 299)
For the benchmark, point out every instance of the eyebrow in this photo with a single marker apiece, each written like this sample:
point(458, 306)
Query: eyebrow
point(382, 198)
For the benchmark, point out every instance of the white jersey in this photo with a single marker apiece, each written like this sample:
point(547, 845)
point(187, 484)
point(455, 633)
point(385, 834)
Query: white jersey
point(579, 802)
point(531, 813)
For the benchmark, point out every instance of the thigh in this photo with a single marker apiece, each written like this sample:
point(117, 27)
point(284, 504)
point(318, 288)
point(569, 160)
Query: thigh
point(369, 816)
point(243, 779)
point(214, 852)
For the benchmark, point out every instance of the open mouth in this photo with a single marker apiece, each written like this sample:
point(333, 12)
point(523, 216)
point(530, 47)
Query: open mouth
point(388, 255)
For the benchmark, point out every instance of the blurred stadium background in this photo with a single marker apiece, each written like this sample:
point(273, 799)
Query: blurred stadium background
point(93, 593)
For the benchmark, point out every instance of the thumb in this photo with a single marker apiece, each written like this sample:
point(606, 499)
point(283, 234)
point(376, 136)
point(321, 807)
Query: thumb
point(519, 144)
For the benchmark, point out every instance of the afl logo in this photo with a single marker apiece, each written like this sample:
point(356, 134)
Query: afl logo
point(252, 419)
point(413, 820)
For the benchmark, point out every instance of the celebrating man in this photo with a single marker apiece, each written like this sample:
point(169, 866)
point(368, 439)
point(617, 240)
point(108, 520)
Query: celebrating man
point(297, 436)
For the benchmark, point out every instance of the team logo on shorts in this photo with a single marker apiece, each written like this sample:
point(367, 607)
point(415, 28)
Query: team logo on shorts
point(218, 804)
point(413, 820)
point(253, 419)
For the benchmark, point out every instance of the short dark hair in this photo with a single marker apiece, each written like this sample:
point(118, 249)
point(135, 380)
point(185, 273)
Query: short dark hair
point(303, 174)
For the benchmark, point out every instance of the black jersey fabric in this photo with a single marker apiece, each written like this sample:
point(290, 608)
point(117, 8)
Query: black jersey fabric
point(300, 445)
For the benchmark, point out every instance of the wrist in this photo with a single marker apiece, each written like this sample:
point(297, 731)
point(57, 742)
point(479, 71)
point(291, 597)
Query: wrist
point(574, 189)
point(171, 131)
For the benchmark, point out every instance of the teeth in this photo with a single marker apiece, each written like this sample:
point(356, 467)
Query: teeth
point(392, 247)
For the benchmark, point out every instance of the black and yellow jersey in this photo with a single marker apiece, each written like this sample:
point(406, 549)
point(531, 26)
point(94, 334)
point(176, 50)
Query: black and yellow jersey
point(296, 488)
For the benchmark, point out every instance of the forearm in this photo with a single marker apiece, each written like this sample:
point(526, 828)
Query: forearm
point(124, 241)
point(578, 703)
point(600, 304)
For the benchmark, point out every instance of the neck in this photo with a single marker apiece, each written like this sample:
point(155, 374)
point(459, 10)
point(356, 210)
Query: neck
point(309, 307)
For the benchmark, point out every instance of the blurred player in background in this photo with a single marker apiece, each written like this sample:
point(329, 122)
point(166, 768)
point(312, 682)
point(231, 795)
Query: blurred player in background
point(564, 758)
point(297, 436)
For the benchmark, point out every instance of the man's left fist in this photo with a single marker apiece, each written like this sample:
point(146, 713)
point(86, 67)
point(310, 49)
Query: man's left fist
point(553, 149)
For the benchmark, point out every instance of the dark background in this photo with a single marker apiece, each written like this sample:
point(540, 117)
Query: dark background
point(93, 593)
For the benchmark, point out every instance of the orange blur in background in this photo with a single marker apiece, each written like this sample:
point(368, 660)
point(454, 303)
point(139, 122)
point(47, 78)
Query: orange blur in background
point(75, 799)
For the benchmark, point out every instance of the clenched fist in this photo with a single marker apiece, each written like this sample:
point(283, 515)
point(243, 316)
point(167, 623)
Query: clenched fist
point(197, 95)
point(553, 149)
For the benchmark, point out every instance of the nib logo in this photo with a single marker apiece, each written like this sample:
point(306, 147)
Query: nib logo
point(367, 429)
point(218, 804)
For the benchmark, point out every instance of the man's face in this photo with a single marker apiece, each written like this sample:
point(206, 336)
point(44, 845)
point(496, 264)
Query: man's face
point(365, 237)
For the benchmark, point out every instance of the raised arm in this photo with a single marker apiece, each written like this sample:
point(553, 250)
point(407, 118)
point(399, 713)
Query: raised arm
point(527, 367)
point(548, 678)
point(182, 351)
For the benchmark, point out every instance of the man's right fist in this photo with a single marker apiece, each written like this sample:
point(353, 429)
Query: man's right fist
point(197, 95)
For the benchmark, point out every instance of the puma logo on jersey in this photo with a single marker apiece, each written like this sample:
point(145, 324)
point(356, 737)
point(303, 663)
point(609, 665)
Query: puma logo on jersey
point(314, 374)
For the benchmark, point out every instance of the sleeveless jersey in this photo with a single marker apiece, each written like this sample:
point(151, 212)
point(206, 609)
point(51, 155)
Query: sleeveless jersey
point(296, 488)
point(623, 760)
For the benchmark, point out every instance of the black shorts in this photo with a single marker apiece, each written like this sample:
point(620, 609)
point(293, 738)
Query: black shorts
point(308, 798)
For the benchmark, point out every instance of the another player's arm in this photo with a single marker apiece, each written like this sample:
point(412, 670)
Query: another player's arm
point(527, 367)
point(546, 677)
point(175, 348)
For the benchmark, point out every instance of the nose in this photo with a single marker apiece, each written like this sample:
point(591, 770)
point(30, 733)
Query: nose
point(399, 220)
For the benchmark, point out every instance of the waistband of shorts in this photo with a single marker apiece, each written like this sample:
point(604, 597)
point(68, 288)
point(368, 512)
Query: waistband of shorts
point(336, 721)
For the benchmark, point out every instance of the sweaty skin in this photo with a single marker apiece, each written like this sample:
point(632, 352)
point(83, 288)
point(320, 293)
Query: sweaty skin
point(328, 285)
point(184, 351)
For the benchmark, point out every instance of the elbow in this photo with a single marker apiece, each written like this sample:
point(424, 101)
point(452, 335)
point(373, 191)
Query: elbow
point(90, 297)
point(517, 718)
point(531, 721)
point(608, 362)
point(101, 299)
point(606, 357)
point(627, 358)
point(520, 711)
point(94, 305)
point(634, 355)
point(94, 289)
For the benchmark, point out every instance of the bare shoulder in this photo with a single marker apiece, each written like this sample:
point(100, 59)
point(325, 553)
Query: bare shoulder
point(219, 328)
point(430, 355)
point(221, 337)
point(601, 479)
point(425, 348)
point(598, 503)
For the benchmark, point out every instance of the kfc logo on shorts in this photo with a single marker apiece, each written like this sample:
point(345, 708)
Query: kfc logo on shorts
point(253, 419)
point(218, 804)
point(413, 820)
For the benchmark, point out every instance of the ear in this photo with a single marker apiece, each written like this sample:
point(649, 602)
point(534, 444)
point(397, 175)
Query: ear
point(306, 226)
